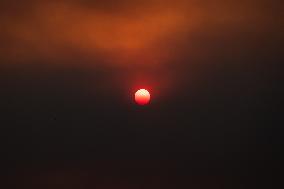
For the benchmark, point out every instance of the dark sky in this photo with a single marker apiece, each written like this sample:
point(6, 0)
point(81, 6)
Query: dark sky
point(69, 70)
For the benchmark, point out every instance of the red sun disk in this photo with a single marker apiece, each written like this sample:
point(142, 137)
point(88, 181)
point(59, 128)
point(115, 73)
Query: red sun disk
point(142, 97)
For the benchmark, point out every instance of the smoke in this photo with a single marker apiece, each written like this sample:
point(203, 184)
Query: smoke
point(118, 32)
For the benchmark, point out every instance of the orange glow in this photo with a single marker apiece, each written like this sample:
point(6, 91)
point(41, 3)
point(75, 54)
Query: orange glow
point(111, 34)
point(142, 97)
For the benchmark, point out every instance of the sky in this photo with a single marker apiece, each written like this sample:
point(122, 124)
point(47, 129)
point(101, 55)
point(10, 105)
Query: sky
point(69, 70)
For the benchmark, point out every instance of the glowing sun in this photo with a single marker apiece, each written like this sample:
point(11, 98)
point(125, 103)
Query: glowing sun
point(142, 97)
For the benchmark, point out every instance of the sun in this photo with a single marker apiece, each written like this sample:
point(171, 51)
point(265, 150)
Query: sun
point(142, 97)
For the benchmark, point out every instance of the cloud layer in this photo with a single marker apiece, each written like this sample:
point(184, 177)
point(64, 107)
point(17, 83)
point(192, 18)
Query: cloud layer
point(118, 32)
